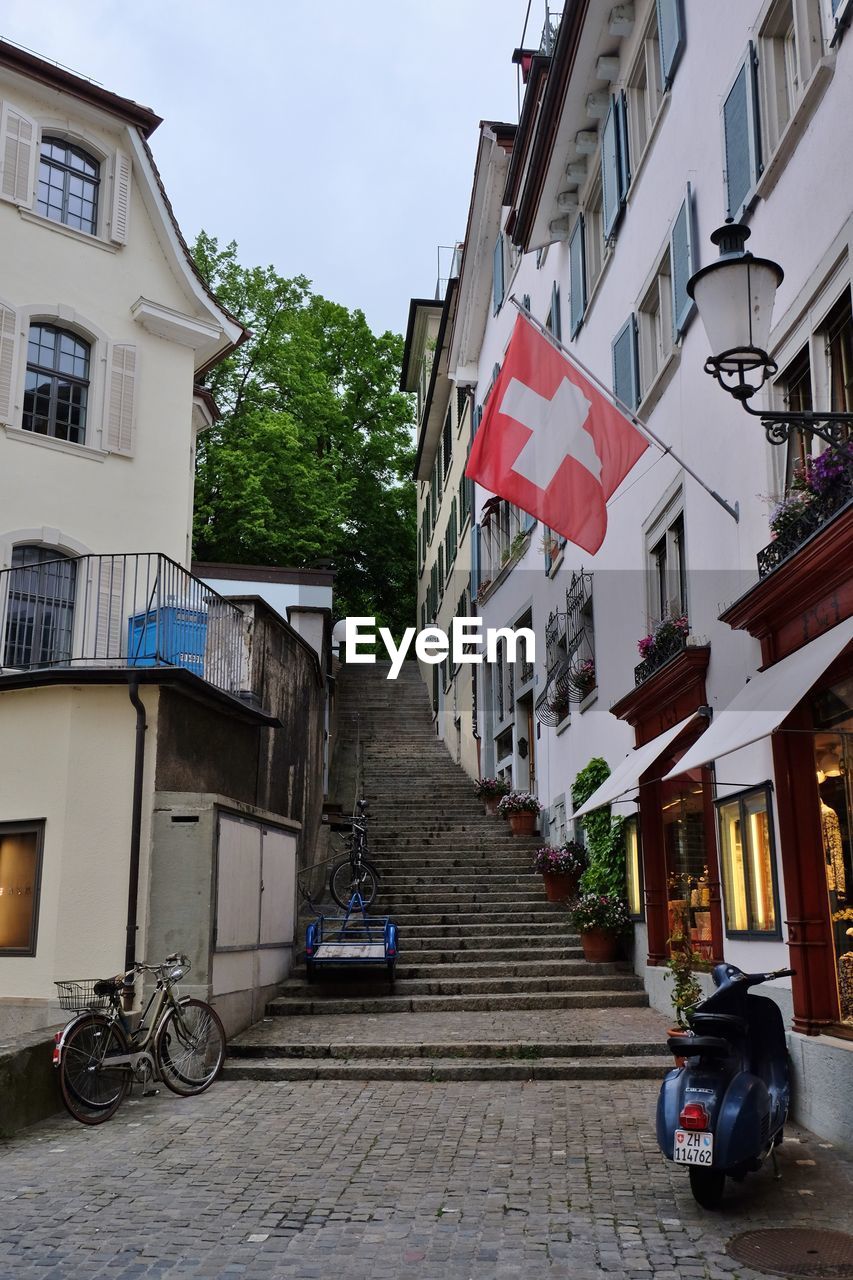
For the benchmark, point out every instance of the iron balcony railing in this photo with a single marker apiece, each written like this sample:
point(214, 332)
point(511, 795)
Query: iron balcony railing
point(799, 530)
point(141, 610)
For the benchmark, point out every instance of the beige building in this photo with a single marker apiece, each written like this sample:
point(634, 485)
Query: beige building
point(140, 796)
point(444, 514)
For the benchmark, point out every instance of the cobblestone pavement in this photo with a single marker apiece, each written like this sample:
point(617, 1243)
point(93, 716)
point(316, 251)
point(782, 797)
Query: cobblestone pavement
point(411, 1182)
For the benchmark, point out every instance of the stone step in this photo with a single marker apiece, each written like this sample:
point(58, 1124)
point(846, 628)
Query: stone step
point(548, 966)
point(458, 956)
point(250, 1046)
point(337, 984)
point(285, 1007)
point(462, 919)
point(640, 1067)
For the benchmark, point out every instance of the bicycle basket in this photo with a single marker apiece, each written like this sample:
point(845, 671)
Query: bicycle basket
point(79, 995)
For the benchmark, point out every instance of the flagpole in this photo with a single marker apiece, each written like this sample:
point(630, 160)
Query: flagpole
point(733, 511)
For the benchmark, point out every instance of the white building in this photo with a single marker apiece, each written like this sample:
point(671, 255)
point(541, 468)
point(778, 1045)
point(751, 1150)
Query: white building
point(647, 127)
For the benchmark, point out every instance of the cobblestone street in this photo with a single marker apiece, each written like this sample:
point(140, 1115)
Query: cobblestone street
point(424, 1181)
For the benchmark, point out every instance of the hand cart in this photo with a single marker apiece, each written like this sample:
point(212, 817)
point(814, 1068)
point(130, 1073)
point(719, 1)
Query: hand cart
point(353, 940)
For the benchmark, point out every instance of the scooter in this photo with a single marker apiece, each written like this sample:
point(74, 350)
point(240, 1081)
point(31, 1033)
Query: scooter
point(723, 1113)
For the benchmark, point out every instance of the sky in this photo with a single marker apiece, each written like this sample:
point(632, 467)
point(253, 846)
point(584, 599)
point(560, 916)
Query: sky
point(334, 140)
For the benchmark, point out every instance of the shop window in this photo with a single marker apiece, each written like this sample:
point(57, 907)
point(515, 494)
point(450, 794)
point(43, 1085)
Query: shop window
point(20, 876)
point(834, 772)
point(634, 869)
point(748, 865)
point(688, 889)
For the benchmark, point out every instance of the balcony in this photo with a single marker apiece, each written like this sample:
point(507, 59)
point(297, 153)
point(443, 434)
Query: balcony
point(118, 611)
point(799, 527)
point(668, 639)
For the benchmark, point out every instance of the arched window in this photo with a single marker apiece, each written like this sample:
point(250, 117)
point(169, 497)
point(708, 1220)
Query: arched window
point(40, 608)
point(68, 185)
point(57, 387)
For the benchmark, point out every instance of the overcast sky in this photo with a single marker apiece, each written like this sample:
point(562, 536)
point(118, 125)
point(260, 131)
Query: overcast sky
point(334, 139)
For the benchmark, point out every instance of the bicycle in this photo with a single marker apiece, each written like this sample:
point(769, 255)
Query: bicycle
point(178, 1040)
point(354, 874)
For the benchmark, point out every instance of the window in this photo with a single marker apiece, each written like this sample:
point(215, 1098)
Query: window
point(667, 566)
point(57, 386)
point(68, 185)
point(40, 608)
point(626, 365)
point(20, 879)
point(594, 243)
point(615, 172)
point(577, 275)
point(741, 138)
point(797, 383)
point(554, 322)
point(747, 864)
point(790, 44)
point(645, 94)
point(633, 869)
point(654, 320)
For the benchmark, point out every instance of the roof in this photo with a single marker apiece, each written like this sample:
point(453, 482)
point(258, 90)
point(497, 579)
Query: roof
point(29, 64)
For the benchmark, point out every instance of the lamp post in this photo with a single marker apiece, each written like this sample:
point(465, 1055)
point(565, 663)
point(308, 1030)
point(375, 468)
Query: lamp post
point(734, 297)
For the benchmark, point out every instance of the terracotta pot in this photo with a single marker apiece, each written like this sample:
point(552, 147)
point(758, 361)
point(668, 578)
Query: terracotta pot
point(599, 945)
point(490, 804)
point(523, 823)
point(560, 885)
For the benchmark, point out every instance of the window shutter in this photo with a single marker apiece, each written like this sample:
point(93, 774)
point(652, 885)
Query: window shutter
point(107, 590)
point(681, 255)
point(498, 275)
point(621, 105)
point(120, 403)
point(610, 192)
point(626, 368)
point(18, 150)
point(741, 143)
point(671, 33)
point(8, 347)
point(121, 198)
point(475, 562)
point(525, 301)
point(556, 321)
point(577, 276)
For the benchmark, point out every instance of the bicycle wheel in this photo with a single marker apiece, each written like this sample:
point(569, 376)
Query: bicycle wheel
point(347, 879)
point(190, 1047)
point(91, 1089)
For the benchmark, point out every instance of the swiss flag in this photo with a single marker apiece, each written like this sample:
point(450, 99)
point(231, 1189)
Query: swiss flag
point(550, 442)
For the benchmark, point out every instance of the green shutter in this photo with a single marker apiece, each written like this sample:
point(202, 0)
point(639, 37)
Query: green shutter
point(610, 185)
point(475, 561)
point(556, 319)
point(577, 276)
point(741, 140)
point(498, 275)
point(626, 366)
point(621, 105)
point(681, 254)
point(671, 36)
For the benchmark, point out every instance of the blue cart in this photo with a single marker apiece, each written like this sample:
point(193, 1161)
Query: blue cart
point(353, 940)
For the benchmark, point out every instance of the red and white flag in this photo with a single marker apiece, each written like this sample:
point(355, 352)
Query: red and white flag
point(550, 443)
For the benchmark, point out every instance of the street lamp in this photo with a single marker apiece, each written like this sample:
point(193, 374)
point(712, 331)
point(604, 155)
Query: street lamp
point(734, 297)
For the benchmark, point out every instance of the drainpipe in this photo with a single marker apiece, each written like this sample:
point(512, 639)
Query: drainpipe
point(135, 822)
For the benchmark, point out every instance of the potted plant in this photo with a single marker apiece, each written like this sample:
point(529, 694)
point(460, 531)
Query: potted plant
point(665, 640)
point(522, 809)
point(601, 919)
point(561, 869)
point(686, 991)
point(490, 790)
point(583, 678)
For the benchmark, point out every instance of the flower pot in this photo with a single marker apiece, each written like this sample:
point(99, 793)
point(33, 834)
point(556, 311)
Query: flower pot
point(599, 945)
point(490, 804)
point(523, 822)
point(560, 885)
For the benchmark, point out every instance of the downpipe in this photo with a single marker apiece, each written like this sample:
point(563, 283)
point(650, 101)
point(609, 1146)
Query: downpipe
point(135, 823)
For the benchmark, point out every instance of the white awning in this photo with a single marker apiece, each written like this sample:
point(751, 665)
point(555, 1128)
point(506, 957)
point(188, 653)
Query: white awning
point(768, 698)
point(626, 776)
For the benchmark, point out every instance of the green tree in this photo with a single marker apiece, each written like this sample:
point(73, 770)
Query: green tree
point(604, 834)
point(313, 455)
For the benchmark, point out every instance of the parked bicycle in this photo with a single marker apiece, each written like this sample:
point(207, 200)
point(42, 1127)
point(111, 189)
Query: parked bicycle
point(178, 1040)
point(354, 874)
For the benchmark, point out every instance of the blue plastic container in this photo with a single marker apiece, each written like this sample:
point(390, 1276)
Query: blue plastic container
point(171, 636)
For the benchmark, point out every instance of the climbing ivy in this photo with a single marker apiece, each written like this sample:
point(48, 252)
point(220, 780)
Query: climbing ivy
point(605, 838)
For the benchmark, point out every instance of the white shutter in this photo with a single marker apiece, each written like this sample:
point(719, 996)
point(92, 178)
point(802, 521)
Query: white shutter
point(121, 198)
point(121, 387)
point(107, 593)
point(8, 343)
point(18, 137)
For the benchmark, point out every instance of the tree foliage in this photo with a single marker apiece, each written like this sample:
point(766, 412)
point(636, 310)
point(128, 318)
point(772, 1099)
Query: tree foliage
point(312, 458)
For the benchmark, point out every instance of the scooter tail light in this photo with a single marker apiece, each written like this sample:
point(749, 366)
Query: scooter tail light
point(693, 1116)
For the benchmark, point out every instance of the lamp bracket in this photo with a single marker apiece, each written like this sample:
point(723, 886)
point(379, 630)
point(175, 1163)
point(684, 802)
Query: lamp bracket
point(833, 428)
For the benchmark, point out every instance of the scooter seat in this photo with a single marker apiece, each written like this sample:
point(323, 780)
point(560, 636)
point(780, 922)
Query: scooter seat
point(693, 1046)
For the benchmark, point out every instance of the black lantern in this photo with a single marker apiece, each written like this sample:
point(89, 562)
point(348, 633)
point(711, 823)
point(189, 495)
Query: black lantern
point(735, 297)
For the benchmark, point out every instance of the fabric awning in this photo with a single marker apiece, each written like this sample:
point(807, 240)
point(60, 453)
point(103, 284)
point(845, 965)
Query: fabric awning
point(626, 776)
point(767, 699)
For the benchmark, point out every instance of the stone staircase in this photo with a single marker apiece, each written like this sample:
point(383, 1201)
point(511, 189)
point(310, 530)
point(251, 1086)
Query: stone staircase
point(490, 982)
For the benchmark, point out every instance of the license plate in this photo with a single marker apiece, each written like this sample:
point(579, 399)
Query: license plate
point(693, 1148)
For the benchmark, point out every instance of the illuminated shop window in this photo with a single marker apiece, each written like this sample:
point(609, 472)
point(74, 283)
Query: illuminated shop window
point(20, 871)
point(634, 869)
point(747, 864)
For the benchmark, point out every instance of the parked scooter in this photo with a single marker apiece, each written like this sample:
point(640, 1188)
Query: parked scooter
point(723, 1113)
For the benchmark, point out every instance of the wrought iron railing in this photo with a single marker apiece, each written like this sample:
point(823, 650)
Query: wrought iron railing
point(139, 610)
point(819, 513)
point(666, 648)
